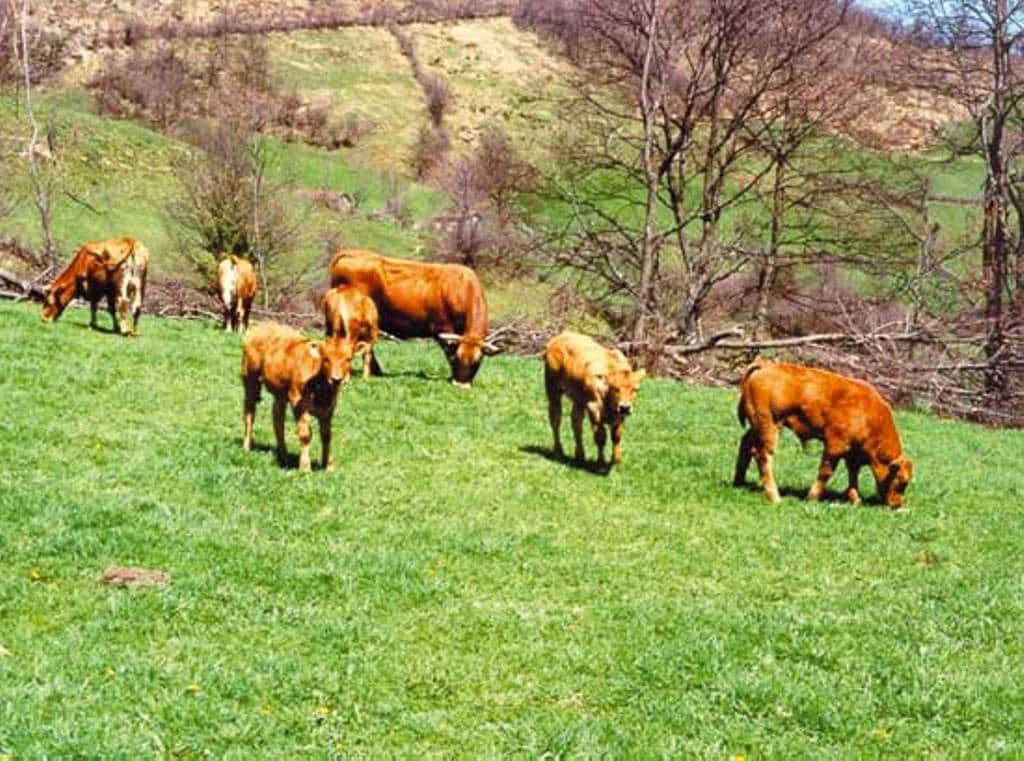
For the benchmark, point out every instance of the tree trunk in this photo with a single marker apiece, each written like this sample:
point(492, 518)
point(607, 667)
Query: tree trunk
point(766, 278)
point(39, 187)
point(649, 245)
point(995, 238)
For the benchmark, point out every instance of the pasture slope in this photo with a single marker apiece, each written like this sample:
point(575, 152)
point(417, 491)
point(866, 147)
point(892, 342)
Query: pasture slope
point(452, 591)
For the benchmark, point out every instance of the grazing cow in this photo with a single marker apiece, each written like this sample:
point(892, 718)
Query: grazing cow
point(297, 371)
point(111, 269)
point(351, 314)
point(424, 300)
point(236, 288)
point(599, 382)
point(849, 416)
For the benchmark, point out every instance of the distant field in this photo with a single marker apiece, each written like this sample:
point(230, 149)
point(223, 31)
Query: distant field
point(450, 590)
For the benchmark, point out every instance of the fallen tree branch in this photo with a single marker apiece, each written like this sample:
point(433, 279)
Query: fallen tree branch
point(26, 289)
point(716, 341)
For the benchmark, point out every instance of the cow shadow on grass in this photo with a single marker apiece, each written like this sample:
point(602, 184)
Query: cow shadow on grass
point(418, 374)
point(291, 460)
point(830, 496)
point(588, 466)
point(97, 328)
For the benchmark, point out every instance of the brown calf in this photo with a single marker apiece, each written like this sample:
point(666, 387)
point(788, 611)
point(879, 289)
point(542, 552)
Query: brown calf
point(110, 269)
point(600, 383)
point(236, 287)
point(849, 416)
point(297, 371)
point(351, 314)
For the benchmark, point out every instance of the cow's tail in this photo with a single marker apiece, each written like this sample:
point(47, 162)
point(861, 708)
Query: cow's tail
point(753, 367)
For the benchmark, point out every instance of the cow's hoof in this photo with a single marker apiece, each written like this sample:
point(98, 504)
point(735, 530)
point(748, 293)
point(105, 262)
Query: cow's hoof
point(460, 384)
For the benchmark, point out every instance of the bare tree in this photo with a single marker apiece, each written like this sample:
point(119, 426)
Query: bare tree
point(228, 205)
point(484, 188)
point(971, 51)
point(34, 152)
point(671, 103)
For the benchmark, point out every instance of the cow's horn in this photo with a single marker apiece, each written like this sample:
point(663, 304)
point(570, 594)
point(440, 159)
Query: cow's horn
point(449, 337)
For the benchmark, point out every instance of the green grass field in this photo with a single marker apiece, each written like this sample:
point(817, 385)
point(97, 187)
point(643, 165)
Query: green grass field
point(450, 590)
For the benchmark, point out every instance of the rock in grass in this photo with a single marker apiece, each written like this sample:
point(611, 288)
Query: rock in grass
point(134, 577)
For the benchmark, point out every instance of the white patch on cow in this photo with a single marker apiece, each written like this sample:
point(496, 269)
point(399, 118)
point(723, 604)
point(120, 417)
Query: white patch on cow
point(344, 318)
point(229, 283)
point(314, 351)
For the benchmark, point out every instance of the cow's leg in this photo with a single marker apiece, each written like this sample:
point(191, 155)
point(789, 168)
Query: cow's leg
point(140, 294)
point(375, 368)
point(600, 434)
point(555, 417)
point(748, 447)
point(825, 471)
point(617, 431)
point(112, 308)
point(367, 359)
point(251, 384)
point(280, 403)
point(769, 436)
point(578, 411)
point(326, 461)
point(226, 321)
point(93, 304)
point(853, 465)
point(305, 436)
point(124, 315)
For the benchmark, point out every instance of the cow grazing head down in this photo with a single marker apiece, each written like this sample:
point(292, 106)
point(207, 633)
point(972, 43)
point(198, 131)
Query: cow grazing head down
point(464, 355)
point(58, 296)
point(894, 484)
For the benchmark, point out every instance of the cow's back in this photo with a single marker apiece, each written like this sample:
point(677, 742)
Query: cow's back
point(247, 281)
point(359, 269)
point(816, 403)
point(571, 359)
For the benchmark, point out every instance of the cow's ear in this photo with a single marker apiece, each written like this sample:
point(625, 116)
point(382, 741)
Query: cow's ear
point(490, 349)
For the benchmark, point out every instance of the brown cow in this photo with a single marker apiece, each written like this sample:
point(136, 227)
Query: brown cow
point(351, 314)
point(599, 382)
point(849, 416)
point(111, 269)
point(424, 300)
point(236, 287)
point(297, 371)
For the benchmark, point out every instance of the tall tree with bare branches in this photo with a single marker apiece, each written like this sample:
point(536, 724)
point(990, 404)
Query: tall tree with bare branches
point(670, 112)
point(971, 51)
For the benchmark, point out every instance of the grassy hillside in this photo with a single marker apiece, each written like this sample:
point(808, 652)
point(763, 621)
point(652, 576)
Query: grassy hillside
point(115, 177)
point(450, 589)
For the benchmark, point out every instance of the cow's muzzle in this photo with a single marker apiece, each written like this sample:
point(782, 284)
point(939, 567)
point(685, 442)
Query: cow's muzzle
point(625, 409)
